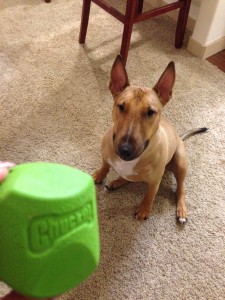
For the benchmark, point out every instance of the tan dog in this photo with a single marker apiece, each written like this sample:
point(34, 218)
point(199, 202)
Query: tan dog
point(141, 144)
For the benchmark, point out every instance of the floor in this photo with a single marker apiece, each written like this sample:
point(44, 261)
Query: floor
point(218, 60)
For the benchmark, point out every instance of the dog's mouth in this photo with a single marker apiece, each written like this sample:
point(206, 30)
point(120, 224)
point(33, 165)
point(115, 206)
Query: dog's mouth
point(146, 145)
point(128, 151)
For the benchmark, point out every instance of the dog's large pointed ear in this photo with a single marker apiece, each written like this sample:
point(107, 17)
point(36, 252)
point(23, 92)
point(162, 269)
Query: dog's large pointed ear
point(165, 84)
point(119, 79)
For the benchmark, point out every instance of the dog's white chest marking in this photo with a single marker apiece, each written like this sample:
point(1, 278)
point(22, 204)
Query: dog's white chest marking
point(124, 168)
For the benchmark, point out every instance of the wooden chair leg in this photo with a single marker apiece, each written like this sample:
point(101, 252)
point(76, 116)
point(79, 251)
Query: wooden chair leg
point(84, 20)
point(140, 6)
point(131, 9)
point(182, 23)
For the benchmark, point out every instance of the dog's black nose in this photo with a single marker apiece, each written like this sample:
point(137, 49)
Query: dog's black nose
point(126, 151)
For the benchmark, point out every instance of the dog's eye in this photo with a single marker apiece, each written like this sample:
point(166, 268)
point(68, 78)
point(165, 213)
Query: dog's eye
point(150, 112)
point(121, 107)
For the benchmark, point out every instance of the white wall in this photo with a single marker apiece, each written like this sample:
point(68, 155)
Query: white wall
point(210, 24)
point(209, 32)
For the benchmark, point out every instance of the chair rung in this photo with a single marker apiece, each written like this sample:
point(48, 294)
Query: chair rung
point(157, 11)
point(110, 9)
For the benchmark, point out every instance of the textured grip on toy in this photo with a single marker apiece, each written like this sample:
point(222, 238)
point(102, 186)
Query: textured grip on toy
point(48, 229)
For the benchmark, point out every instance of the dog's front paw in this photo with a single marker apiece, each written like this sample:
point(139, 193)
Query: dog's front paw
point(98, 176)
point(115, 184)
point(181, 214)
point(143, 212)
point(182, 220)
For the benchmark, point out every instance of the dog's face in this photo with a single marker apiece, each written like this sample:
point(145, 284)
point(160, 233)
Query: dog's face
point(137, 110)
point(136, 116)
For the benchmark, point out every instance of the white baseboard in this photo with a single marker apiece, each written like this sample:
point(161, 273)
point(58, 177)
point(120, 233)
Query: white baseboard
point(204, 51)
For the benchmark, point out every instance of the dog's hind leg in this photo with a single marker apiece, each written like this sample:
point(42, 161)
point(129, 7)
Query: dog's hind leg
point(115, 184)
point(178, 166)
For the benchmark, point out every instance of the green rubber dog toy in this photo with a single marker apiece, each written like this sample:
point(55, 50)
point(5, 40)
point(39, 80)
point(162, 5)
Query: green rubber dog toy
point(48, 229)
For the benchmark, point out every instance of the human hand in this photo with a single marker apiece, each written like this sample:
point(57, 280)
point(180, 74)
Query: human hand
point(14, 296)
point(4, 169)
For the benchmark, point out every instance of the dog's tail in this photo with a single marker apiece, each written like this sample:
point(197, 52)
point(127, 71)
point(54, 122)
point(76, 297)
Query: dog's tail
point(192, 132)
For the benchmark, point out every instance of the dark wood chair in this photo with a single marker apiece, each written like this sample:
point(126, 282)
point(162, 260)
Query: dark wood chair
point(134, 14)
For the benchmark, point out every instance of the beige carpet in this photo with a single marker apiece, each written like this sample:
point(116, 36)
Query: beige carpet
point(55, 106)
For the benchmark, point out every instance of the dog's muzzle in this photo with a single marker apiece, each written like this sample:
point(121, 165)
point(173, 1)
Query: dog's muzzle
point(127, 151)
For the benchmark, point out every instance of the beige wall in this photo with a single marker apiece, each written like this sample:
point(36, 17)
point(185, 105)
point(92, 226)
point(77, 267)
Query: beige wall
point(209, 31)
